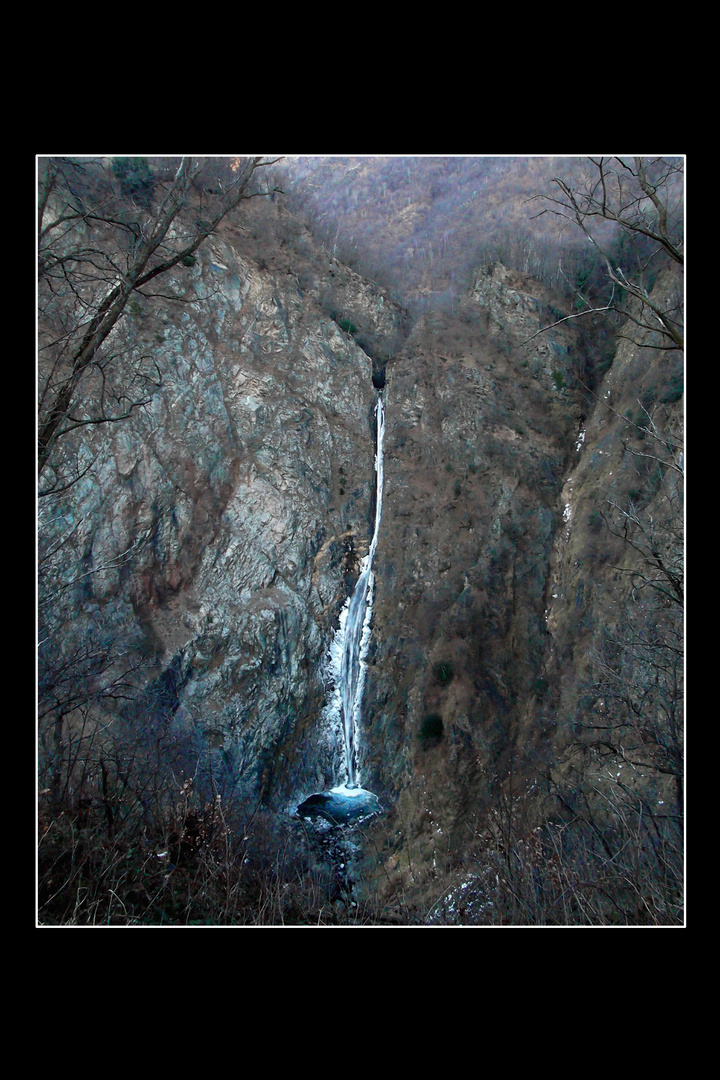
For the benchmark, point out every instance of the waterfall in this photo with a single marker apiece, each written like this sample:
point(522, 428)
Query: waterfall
point(353, 635)
point(349, 801)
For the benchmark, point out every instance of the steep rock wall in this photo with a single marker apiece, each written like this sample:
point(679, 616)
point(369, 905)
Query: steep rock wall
point(527, 571)
point(480, 422)
point(218, 530)
point(615, 604)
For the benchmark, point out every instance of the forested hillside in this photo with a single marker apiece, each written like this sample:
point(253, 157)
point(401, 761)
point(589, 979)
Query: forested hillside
point(423, 224)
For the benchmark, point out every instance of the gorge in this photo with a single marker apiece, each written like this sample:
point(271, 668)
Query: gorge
point(272, 454)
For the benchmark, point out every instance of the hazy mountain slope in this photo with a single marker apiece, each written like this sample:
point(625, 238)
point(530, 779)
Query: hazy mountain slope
point(424, 223)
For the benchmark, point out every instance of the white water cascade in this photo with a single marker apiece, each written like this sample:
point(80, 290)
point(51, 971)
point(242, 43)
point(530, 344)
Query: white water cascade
point(353, 636)
point(349, 801)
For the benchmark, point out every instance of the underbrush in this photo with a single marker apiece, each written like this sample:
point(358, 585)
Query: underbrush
point(202, 865)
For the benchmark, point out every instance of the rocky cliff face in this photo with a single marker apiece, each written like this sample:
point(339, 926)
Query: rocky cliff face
point(529, 618)
point(480, 429)
point(217, 533)
point(219, 529)
point(614, 668)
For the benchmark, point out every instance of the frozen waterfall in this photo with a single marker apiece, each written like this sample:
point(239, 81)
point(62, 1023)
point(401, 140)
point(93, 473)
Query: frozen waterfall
point(353, 636)
point(349, 801)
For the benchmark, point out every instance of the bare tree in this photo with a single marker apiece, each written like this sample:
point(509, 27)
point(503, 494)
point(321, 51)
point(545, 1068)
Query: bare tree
point(630, 209)
point(105, 233)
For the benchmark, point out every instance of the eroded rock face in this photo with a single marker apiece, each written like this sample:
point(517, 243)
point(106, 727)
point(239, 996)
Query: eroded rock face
point(219, 529)
point(507, 606)
point(478, 431)
point(615, 602)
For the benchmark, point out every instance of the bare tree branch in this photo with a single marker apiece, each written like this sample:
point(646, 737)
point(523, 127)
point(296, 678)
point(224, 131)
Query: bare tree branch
point(643, 198)
point(154, 246)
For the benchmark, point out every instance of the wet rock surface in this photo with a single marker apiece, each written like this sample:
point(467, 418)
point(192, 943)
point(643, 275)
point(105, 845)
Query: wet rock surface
point(341, 806)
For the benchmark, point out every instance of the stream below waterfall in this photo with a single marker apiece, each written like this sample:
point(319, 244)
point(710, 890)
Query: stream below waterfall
point(349, 801)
